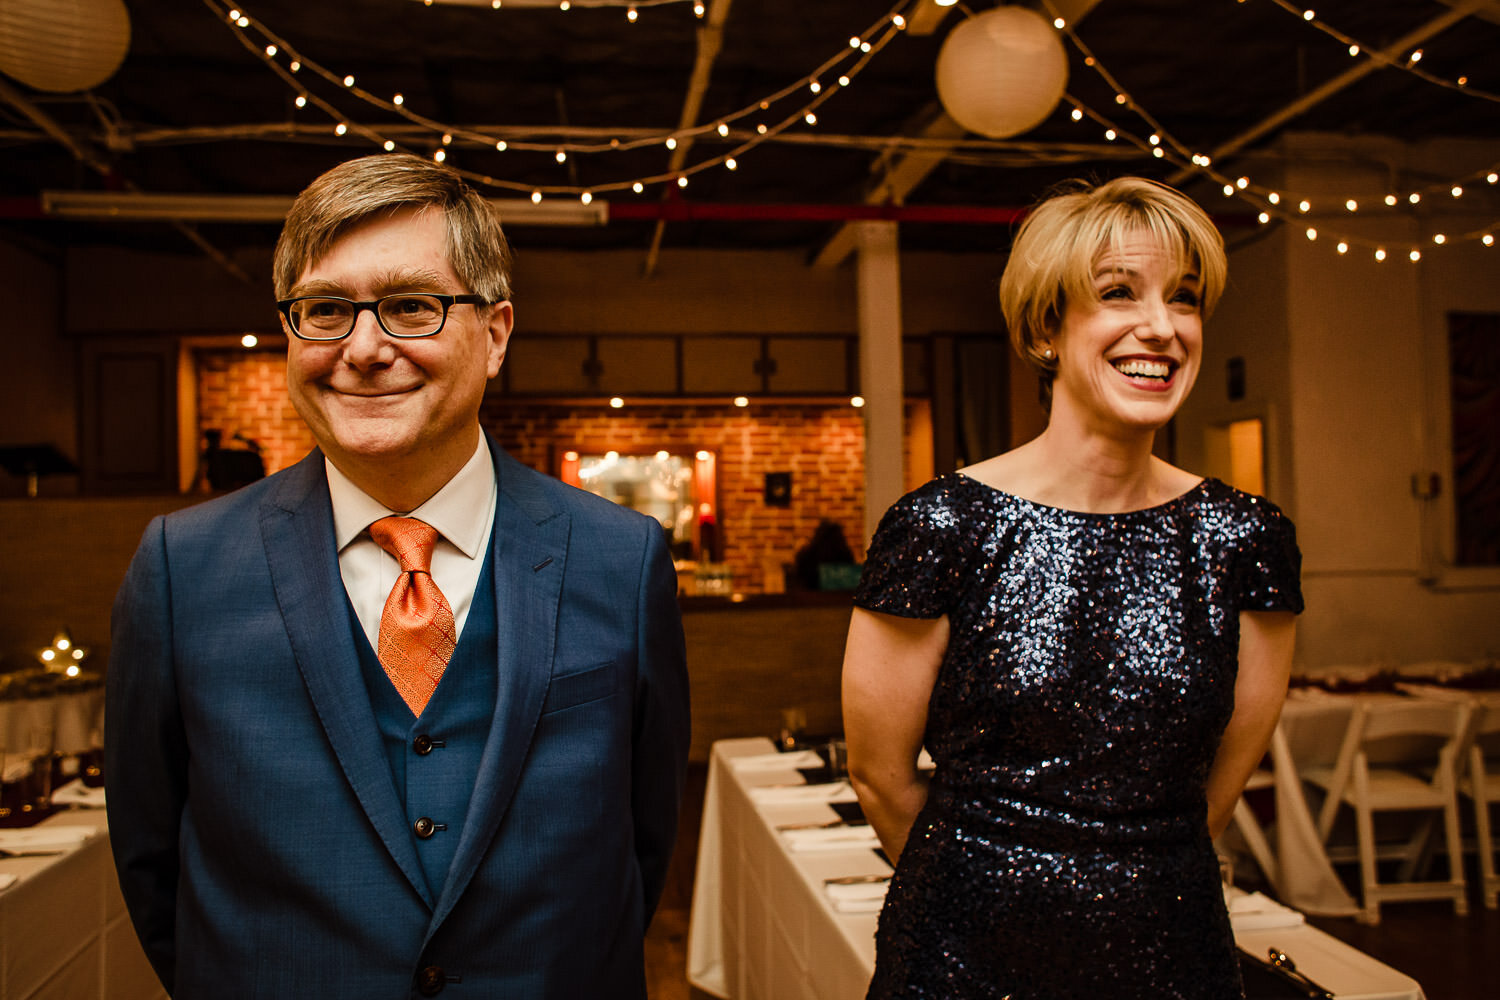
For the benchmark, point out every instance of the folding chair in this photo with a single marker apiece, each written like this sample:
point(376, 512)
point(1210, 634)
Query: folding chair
point(1481, 783)
point(1398, 781)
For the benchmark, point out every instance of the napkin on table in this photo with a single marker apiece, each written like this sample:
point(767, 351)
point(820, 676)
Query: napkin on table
point(43, 839)
point(833, 791)
point(76, 793)
point(831, 838)
point(776, 761)
point(1255, 911)
point(861, 897)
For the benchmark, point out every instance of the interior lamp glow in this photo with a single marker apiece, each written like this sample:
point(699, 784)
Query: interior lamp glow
point(1002, 72)
point(63, 46)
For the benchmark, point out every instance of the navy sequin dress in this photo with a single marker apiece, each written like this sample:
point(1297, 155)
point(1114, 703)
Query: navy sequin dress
point(1063, 852)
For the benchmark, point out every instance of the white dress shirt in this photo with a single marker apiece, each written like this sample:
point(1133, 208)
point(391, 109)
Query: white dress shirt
point(463, 512)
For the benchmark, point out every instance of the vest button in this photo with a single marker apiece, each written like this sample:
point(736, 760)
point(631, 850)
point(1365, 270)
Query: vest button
point(422, 745)
point(424, 828)
point(430, 981)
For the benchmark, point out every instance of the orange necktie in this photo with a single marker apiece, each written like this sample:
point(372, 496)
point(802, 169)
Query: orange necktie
point(416, 628)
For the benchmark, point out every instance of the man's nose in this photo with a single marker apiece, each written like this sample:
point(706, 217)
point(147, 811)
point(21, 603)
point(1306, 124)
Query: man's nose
point(367, 344)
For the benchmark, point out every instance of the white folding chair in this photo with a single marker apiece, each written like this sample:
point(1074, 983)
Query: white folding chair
point(1481, 783)
point(1401, 784)
point(1245, 823)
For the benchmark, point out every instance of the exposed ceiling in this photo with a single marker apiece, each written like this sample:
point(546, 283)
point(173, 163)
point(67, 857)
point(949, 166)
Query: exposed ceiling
point(199, 108)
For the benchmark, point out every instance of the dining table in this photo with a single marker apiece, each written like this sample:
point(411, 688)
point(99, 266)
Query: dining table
point(789, 885)
point(64, 931)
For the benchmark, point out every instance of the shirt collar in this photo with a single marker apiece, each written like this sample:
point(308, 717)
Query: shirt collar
point(461, 511)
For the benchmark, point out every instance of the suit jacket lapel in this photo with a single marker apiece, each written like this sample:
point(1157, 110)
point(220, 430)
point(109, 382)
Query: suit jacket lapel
point(297, 530)
point(529, 550)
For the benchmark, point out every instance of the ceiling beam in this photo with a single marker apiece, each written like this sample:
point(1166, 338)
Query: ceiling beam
point(710, 41)
point(1395, 52)
point(901, 174)
point(87, 156)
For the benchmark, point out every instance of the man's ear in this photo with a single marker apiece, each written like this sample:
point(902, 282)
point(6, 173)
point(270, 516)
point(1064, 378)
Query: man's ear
point(502, 318)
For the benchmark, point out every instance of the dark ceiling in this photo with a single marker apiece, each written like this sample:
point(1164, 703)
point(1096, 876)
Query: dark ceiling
point(197, 108)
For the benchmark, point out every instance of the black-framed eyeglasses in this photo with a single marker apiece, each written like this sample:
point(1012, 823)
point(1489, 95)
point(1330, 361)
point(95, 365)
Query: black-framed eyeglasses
point(404, 314)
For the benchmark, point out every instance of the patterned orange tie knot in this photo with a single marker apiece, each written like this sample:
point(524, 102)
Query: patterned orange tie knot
point(417, 635)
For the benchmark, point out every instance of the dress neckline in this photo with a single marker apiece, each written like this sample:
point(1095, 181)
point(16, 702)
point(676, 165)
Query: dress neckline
point(1201, 485)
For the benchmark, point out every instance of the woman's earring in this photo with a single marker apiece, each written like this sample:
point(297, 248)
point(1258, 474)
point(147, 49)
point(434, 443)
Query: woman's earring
point(1048, 353)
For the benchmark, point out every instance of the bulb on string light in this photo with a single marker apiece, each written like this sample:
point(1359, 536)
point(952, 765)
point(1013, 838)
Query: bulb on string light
point(301, 100)
point(723, 129)
point(1059, 23)
point(561, 156)
point(631, 15)
point(500, 146)
point(1380, 253)
point(699, 10)
point(810, 118)
point(1309, 14)
point(1304, 206)
point(1416, 56)
point(1415, 255)
point(732, 164)
point(1488, 239)
point(586, 197)
point(447, 138)
point(637, 187)
point(843, 81)
point(1312, 233)
point(761, 129)
point(1077, 116)
point(349, 81)
point(1229, 190)
point(1414, 197)
point(243, 22)
point(682, 181)
point(398, 100)
point(388, 145)
point(1342, 248)
point(1463, 81)
point(1274, 198)
point(1390, 199)
point(295, 66)
point(340, 128)
point(271, 51)
point(815, 87)
point(1439, 239)
point(864, 46)
point(1457, 191)
point(564, 5)
point(234, 14)
point(1264, 217)
point(899, 22)
point(1109, 134)
point(854, 42)
point(1491, 177)
point(1121, 98)
point(671, 142)
point(439, 155)
point(1353, 50)
point(1352, 205)
point(1154, 139)
point(1242, 183)
point(1158, 152)
point(536, 197)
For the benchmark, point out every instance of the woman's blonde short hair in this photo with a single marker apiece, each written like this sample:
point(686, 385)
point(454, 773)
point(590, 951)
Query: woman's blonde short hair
point(360, 189)
point(1055, 251)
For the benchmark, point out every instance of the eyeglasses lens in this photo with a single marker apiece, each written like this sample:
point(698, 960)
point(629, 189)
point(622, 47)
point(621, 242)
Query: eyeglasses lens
point(407, 315)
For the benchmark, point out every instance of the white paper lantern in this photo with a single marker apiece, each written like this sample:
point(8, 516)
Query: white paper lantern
point(1002, 72)
point(63, 46)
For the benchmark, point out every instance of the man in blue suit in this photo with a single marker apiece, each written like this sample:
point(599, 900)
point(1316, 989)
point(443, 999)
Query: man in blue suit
point(335, 771)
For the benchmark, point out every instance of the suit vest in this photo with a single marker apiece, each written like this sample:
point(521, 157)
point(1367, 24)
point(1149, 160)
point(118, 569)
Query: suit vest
point(434, 758)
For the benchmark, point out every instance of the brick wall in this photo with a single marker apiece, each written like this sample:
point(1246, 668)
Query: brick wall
point(244, 392)
point(821, 445)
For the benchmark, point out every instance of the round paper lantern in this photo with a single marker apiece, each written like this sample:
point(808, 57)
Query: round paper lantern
point(63, 46)
point(1002, 72)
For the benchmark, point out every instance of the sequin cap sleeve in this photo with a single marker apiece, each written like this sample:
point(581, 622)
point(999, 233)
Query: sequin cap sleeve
point(1269, 572)
point(915, 563)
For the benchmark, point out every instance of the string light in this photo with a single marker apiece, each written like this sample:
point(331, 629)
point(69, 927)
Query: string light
point(632, 15)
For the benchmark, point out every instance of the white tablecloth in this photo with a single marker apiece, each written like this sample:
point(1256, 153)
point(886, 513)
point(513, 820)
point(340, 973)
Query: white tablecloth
point(763, 927)
point(64, 933)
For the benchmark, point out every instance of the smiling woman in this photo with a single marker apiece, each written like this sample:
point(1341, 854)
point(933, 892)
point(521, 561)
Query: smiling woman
point(1092, 644)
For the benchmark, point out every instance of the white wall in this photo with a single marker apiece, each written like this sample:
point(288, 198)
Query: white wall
point(1346, 356)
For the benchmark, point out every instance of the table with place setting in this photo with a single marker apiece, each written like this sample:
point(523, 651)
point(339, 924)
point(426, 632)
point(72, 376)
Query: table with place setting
point(64, 932)
point(790, 882)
